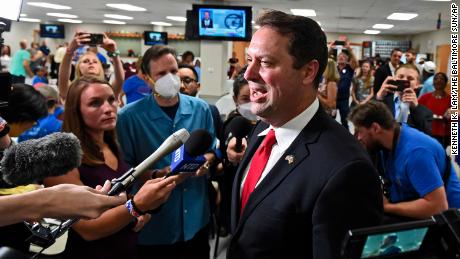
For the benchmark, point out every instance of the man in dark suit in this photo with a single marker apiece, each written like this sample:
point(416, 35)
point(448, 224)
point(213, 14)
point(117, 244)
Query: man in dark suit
point(206, 22)
point(404, 105)
point(388, 69)
point(303, 180)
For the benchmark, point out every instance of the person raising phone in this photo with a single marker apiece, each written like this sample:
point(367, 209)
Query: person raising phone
point(89, 64)
point(403, 104)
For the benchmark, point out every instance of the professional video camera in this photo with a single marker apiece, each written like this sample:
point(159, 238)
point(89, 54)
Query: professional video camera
point(438, 237)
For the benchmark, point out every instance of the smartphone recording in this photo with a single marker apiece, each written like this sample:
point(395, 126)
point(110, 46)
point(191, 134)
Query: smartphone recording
point(400, 84)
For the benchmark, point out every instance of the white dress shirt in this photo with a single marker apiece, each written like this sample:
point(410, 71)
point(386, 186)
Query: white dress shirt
point(284, 135)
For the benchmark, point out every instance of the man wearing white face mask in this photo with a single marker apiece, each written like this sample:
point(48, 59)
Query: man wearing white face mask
point(180, 228)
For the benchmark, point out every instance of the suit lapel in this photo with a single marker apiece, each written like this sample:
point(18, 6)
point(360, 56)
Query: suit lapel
point(293, 156)
point(254, 143)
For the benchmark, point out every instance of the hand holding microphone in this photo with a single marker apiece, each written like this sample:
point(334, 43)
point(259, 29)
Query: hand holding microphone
point(240, 127)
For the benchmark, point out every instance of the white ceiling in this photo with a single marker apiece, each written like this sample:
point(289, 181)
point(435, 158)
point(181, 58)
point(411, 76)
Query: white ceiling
point(346, 16)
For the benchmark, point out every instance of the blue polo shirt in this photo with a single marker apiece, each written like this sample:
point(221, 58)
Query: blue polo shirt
point(142, 126)
point(417, 168)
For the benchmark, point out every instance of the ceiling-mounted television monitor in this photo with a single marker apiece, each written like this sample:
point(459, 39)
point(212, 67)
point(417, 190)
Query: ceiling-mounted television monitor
point(155, 37)
point(55, 31)
point(7, 26)
point(223, 22)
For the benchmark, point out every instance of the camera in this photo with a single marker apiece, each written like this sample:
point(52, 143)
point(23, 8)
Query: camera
point(400, 84)
point(437, 237)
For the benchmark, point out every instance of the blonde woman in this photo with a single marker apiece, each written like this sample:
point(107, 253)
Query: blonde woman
point(362, 90)
point(327, 91)
point(89, 64)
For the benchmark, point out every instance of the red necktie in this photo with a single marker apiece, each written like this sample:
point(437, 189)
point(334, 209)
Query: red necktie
point(259, 161)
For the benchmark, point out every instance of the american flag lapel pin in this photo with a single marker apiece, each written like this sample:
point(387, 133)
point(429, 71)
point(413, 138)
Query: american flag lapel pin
point(289, 158)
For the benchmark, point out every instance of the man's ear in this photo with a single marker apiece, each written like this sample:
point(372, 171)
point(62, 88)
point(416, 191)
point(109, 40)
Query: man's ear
point(148, 79)
point(310, 70)
point(198, 86)
point(376, 128)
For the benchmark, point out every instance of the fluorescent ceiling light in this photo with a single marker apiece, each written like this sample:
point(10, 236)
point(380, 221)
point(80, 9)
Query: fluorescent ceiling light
point(161, 23)
point(383, 26)
point(402, 16)
point(11, 9)
point(256, 27)
point(51, 6)
point(303, 12)
point(23, 19)
point(62, 15)
point(371, 32)
point(253, 22)
point(177, 18)
point(127, 7)
point(70, 21)
point(117, 16)
point(113, 22)
point(23, 15)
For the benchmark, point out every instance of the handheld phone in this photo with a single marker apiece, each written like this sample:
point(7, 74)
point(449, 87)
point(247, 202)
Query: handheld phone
point(96, 39)
point(400, 84)
point(339, 42)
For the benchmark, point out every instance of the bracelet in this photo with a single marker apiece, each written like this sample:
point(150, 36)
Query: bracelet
point(132, 209)
point(116, 53)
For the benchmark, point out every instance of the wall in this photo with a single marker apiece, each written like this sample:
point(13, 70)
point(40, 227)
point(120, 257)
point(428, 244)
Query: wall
point(428, 41)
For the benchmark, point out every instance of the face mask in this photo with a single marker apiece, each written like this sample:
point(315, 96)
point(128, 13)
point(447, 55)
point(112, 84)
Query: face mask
point(245, 111)
point(168, 86)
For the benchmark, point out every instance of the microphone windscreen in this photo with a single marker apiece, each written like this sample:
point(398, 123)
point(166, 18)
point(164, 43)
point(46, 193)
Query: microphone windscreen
point(199, 142)
point(240, 127)
point(33, 160)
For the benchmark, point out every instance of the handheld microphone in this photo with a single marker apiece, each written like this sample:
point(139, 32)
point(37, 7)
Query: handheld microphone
point(33, 160)
point(240, 128)
point(120, 184)
point(169, 145)
point(189, 157)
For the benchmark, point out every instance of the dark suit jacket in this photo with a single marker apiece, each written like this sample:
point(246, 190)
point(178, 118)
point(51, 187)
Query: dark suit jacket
point(203, 25)
point(420, 117)
point(303, 209)
point(380, 75)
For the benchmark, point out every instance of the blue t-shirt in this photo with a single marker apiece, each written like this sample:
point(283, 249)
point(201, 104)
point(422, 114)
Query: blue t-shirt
point(428, 86)
point(417, 168)
point(343, 87)
point(142, 127)
point(44, 126)
point(135, 88)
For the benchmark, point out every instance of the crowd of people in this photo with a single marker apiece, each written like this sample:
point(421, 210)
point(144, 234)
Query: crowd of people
point(291, 187)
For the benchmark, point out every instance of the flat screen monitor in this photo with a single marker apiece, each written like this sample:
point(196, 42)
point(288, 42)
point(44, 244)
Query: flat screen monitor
point(155, 37)
point(7, 26)
point(216, 22)
point(402, 240)
point(55, 31)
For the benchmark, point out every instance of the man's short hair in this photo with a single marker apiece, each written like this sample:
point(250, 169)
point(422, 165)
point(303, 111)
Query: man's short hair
point(411, 51)
point(408, 66)
point(154, 53)
point(373, 111)
point(187, 54)
point(394, 50)
point(25, 104)
point(307, 40)
point(191, 68)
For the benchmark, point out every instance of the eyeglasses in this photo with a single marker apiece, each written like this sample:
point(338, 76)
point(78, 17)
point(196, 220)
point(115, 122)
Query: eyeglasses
point(187, 80)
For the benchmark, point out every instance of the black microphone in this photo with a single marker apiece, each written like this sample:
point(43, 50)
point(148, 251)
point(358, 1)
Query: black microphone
point(33, 160)
point(169, 145)
point(189, 157)
point(240, 128)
